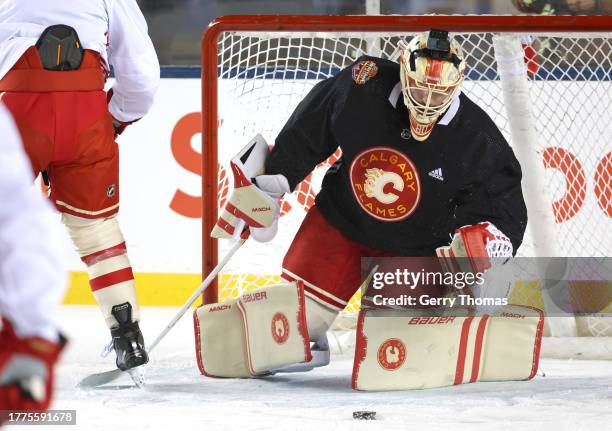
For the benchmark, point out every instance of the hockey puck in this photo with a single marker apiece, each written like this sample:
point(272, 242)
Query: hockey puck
point(364, 415)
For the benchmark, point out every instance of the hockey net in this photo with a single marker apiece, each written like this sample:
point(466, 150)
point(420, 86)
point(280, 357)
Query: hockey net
point(261, 74)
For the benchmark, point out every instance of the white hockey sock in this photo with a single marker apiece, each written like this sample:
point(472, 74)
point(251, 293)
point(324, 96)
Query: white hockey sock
point(101, 246)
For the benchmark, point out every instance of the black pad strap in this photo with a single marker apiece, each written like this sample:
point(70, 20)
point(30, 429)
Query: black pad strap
point(59, 48)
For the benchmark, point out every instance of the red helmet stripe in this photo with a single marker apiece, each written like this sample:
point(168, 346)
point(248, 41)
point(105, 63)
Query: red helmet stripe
point(433, 72)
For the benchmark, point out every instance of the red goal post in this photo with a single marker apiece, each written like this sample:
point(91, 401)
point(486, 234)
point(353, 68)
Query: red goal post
point(216, 57)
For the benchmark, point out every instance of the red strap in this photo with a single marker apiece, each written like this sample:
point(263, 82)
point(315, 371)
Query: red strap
point(482, 326)
point(465, 332)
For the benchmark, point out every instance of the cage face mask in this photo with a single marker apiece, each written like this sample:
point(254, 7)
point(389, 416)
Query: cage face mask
point(431, 72)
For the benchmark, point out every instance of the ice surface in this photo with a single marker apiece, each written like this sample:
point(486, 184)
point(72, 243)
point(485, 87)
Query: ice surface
point(573, 395)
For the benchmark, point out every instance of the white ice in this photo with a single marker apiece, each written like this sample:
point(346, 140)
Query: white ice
point(573, 395)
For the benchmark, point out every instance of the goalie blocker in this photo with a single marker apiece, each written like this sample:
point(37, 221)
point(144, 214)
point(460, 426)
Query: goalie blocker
point(261, 331)
point(399, 350)
point(255, 196)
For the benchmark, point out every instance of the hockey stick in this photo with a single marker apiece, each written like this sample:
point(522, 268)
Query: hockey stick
point(100, 379)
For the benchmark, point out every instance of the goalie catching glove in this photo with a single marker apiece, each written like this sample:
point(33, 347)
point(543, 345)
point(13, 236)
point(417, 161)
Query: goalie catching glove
point(477, 244)
point(474, 250)
point(255, 198)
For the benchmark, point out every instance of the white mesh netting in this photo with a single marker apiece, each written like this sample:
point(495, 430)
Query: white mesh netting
point(263, 76)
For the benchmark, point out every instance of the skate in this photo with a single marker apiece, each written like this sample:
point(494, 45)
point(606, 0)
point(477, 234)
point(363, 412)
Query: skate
point(127, 339)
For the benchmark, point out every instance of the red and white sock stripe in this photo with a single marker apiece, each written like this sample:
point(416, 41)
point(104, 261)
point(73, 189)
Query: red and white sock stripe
point(111, 280)
point(108, 267)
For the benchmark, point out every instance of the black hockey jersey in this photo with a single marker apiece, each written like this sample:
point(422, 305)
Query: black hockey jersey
point(389, 191)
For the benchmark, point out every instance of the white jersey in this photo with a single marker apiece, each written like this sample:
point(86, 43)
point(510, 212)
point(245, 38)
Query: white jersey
point(116, 29)
point(32, 277)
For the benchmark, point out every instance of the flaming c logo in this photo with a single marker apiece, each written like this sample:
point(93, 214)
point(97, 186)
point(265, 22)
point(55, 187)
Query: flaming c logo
point(391, 354)
point(280, 328)
point(386, 183)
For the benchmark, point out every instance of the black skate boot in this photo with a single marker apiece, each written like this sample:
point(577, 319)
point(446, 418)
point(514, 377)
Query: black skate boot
point(127, 339)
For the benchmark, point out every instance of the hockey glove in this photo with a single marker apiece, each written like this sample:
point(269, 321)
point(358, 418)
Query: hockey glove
point(26, 370)
point(477, 243)
point(119, 126)
point(275, 186)
point(471, 250)
point(255, 198)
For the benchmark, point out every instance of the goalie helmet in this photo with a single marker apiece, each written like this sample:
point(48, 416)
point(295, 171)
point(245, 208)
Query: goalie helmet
point(431, 72)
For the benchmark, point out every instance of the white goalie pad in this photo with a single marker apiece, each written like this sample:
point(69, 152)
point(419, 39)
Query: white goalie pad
point(263, 330)
point(275, 323)
point(220, 346)
point(247, 201)
point(398, 350)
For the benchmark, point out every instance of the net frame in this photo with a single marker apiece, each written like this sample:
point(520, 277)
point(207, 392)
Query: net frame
point(313, 25)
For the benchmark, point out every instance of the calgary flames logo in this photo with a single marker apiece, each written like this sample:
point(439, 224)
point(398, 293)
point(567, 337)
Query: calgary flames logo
point(385, 183)
point(391, 354)
point(280, 328)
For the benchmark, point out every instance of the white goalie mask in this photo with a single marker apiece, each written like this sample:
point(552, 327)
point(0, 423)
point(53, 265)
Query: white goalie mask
point(431, 71)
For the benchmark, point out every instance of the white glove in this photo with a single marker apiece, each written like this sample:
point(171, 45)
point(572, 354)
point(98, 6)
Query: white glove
point(255, 198)
point(471, 251)
point(275, 186)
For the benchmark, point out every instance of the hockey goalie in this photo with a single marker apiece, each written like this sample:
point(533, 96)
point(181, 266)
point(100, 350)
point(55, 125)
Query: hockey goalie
point(424, 172)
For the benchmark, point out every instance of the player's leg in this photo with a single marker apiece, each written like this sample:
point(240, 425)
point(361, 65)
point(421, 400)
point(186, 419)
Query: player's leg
point(82, 161)
point(86, 191)
point(102, 248)
point(328, 264)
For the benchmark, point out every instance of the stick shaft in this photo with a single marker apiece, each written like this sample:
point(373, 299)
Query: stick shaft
point(197, 293)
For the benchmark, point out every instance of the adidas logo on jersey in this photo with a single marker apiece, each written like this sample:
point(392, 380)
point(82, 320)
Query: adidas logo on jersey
point(437, 174)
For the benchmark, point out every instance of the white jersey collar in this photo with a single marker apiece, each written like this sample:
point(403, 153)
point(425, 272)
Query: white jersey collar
point(451, 111)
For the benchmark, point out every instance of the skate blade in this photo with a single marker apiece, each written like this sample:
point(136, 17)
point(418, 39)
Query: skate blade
point(138, 375)
point(99, 379)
